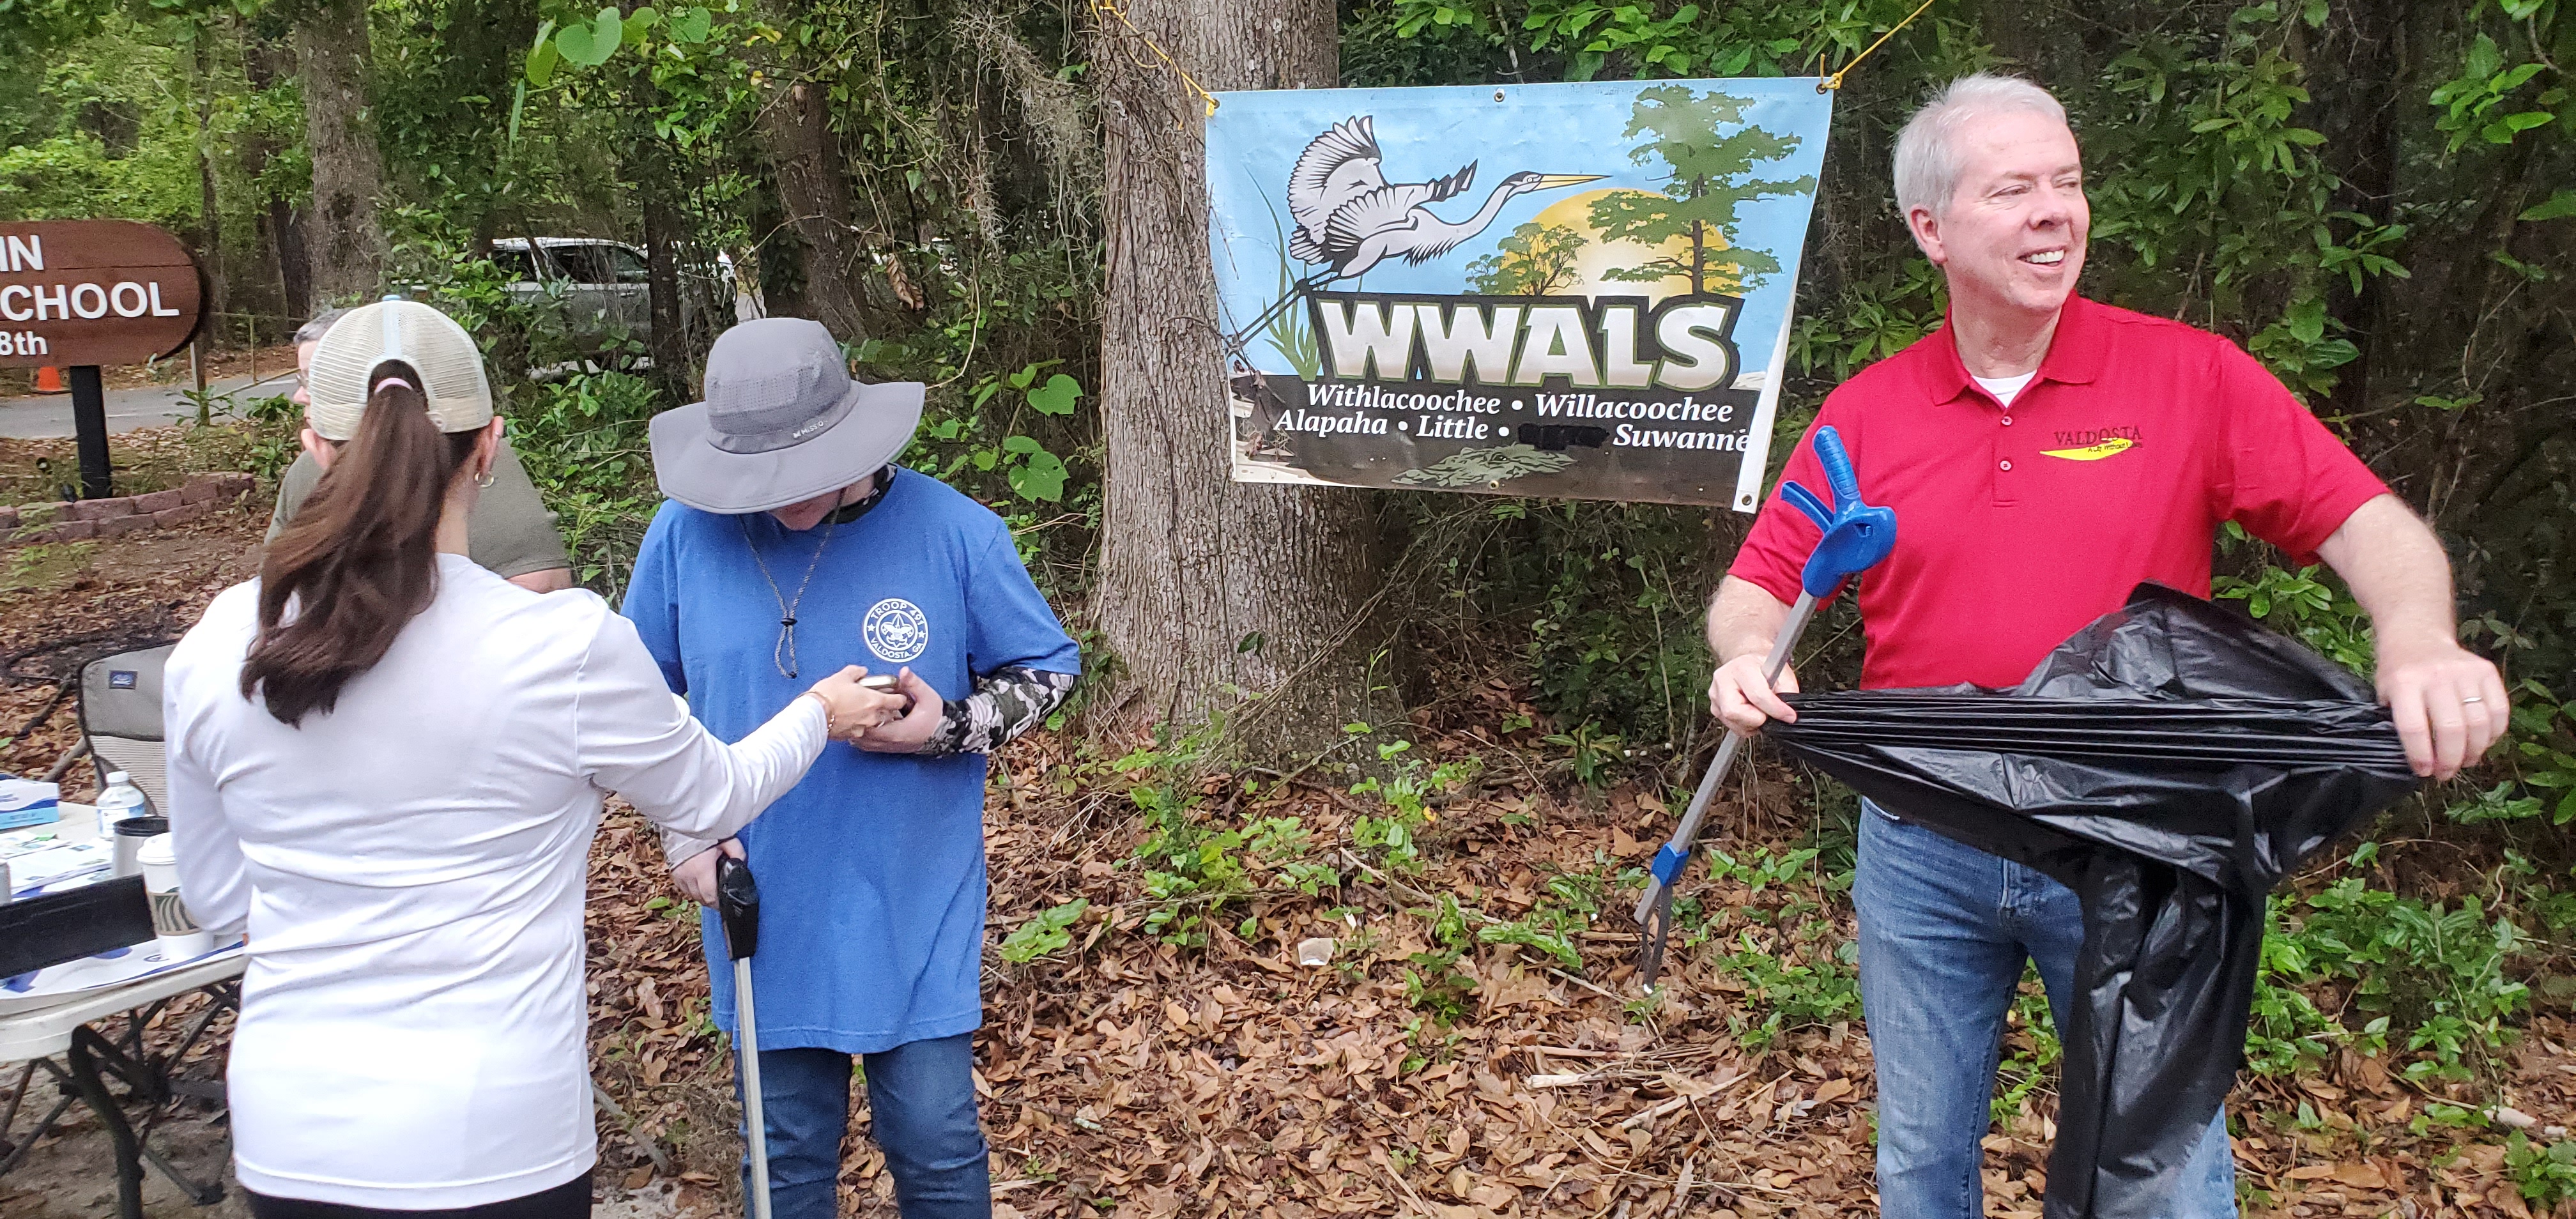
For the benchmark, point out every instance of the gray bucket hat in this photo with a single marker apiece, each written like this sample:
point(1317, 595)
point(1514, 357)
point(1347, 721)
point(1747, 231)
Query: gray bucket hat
point(782, 422)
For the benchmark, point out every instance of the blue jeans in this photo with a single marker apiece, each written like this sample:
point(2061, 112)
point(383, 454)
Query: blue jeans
point(1944, 928)
point(921, 1096)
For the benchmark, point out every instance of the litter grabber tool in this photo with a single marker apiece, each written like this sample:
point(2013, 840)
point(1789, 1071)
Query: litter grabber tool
point(738, 910)
point(1856, 537)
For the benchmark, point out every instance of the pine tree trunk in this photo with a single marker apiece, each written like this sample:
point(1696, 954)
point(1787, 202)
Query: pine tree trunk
point(1207, 583)
point(346, 247)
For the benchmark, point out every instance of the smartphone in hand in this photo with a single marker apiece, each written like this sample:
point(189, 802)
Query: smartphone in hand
point(886, 682)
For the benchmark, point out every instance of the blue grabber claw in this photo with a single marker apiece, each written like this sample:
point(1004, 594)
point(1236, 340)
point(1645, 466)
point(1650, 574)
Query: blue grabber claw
point(1856, 535)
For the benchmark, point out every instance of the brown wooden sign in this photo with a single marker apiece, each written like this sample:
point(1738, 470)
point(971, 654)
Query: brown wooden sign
point(79, 292)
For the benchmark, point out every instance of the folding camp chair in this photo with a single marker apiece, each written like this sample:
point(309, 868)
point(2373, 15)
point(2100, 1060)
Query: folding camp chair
point(120, 716)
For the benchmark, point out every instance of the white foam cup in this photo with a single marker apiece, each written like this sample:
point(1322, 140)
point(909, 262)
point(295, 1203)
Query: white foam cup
point(178, 936)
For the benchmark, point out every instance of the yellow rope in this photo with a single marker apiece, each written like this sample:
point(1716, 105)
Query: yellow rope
point(1835, 81)
point(1111, 7)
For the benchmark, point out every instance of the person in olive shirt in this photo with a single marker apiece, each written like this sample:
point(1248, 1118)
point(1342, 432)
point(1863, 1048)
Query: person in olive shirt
point(510, 532)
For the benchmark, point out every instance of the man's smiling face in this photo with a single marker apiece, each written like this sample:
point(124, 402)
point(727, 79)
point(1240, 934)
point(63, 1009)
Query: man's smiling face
point(2012, 233)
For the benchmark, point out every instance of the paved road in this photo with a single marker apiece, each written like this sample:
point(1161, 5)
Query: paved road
point(49, 415)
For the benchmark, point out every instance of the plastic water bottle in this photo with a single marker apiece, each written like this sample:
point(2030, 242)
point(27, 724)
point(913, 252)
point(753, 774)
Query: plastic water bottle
point(121, 800)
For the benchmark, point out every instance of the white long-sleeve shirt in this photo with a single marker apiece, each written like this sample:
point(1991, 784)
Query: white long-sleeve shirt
point(410, 869)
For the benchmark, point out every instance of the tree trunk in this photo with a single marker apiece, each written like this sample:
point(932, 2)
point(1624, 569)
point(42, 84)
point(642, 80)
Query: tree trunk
point(663, 228)
point(1208, 583)
point(210, 214)
point(294, 270)
point(797, 130)
point(346, 248)
point(264, 60)
point(779, 257)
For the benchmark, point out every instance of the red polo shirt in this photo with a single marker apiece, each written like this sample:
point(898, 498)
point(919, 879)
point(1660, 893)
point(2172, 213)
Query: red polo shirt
point(2017, 526)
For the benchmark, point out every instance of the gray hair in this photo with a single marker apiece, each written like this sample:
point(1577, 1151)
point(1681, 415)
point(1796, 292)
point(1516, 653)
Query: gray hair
point(1927, 154)
point(312, 331)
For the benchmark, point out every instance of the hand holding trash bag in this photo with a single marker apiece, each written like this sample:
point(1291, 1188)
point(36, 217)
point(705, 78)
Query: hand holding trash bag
point(2171, 763)
point(2448, 702)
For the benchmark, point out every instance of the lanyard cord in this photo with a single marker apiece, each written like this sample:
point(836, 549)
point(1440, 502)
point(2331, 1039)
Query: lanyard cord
point(784, 654)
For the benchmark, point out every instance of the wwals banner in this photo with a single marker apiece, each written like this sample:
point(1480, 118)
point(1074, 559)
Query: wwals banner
point(1573, 290)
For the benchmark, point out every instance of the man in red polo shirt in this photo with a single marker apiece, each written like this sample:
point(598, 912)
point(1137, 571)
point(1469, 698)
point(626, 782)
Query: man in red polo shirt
point(2044, 454)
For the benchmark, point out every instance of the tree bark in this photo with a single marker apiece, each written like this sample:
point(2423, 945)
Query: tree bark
point(663, 229)
point(346, 247)
point(796, 129)
point(1207, 583)
point(264, 60)
point(210, 214)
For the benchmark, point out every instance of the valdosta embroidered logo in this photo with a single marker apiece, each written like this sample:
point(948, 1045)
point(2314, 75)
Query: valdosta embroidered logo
point(2093, 444)
point(896, 630)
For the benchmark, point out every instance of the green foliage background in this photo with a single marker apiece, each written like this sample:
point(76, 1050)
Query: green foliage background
point(2374, 197)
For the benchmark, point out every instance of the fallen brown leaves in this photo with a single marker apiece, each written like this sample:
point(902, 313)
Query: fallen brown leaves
point(1127, 1076)
point(95, 599)
point(145, 459)
point(1131, 1076)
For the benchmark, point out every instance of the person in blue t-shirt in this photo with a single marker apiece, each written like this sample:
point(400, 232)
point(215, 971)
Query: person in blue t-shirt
point(791, 545)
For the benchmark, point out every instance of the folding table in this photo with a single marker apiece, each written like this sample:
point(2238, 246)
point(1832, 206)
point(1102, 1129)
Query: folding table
point(35, 1035)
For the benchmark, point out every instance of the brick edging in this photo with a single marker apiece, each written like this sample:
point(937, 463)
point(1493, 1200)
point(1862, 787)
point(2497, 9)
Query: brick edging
point(115, 517)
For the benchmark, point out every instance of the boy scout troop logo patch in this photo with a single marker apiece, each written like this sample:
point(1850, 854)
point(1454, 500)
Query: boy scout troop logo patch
point(896, 630)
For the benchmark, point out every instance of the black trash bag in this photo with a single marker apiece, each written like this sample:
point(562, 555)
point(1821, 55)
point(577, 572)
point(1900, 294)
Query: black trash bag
point(2171, 763)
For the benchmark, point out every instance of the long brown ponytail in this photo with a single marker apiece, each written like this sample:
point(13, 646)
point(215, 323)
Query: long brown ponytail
point(360, 559)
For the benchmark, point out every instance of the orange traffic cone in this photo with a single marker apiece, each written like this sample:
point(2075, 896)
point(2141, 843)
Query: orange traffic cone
point(49, 380)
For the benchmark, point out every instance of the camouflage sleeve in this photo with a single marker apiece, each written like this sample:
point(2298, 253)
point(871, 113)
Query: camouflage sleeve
point(1009, 702)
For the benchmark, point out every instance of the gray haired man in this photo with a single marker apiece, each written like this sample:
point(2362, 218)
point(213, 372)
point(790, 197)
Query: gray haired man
point(2048, 453)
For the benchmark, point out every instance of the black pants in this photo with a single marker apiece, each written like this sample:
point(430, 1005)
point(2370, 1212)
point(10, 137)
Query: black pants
point(570, 1200)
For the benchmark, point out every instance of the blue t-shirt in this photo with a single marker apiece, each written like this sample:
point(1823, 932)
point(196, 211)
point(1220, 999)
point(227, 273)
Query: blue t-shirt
point(871, 870)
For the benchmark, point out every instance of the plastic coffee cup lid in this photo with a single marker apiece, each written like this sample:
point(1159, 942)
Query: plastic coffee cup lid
point(157, 852)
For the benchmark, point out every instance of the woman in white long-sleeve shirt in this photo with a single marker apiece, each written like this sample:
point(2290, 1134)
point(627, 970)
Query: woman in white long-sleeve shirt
point(386, 766)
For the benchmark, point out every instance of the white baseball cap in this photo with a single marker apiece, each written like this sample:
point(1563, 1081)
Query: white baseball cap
point(450, 365)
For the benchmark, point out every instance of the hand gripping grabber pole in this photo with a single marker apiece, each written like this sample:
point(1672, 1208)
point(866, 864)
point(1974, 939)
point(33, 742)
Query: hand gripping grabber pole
point(738, 909)
point(1856, 537)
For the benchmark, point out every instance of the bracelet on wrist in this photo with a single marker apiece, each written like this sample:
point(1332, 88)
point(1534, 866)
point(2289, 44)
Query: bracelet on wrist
point(829, 728)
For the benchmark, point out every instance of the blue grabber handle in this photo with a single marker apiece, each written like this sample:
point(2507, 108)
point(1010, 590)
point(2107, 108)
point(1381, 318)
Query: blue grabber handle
point(1856, 537)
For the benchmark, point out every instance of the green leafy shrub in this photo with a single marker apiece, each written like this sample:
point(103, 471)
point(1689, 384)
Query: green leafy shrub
point(2431, 979)
point(1810, 979)
point(1407, 788)
point(1195, 869)
point(2545, 1176)
point(2309, 604)
point(1048, 931)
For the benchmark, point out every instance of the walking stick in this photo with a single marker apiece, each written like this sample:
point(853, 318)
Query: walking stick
point(738, 910)
point(1856, 537)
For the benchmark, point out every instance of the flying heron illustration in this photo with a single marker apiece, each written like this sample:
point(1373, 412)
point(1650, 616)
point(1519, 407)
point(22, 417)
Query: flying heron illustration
point(1349, 216)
